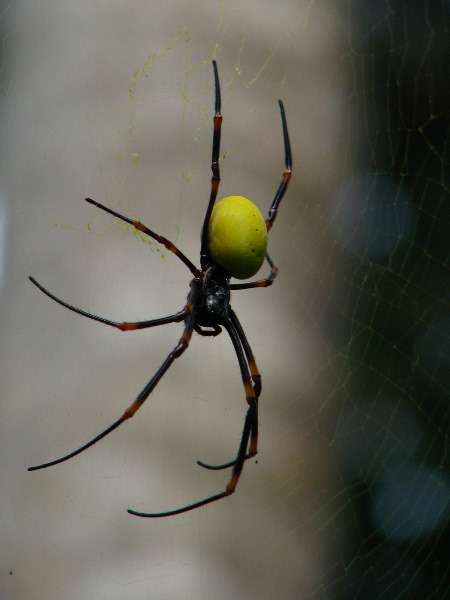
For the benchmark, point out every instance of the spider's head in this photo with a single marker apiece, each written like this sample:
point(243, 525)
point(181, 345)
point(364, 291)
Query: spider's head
point(216, 295)
point(237, 236)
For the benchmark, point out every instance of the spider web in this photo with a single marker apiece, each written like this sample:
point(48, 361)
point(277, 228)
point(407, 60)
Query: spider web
point(349, 498)
point(390, 221)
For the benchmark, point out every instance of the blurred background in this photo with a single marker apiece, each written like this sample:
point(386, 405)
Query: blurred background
point(349, 495)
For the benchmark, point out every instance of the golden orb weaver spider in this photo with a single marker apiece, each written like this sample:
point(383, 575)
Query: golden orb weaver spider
point(233, 244)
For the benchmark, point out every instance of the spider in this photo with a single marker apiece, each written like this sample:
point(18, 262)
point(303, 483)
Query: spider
point(233, 244)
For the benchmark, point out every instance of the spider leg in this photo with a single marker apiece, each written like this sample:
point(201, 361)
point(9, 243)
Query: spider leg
point(215, 178)
point(240, 341)
point(286, 173)
point(256, 375)
point(125, 326)
point(159, 238)
point(249, 432)
point(144, 394)
point(261, 282)
point(273, 210)
point(250, 418)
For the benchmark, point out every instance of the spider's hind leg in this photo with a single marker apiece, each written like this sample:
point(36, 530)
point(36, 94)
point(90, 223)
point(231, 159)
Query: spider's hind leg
point(250, 419)
point(252, 385)
point(225, 465)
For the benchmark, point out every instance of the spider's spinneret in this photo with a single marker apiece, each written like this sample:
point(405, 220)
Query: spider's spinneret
point(237, 236)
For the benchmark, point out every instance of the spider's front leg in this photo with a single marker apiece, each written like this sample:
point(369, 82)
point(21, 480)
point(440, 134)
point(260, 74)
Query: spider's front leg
point(287, 173)
point(273, 210)
point(159, 238)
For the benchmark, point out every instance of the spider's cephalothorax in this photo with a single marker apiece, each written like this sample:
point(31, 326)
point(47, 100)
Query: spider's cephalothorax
point(233, 244)
point(214, 301)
